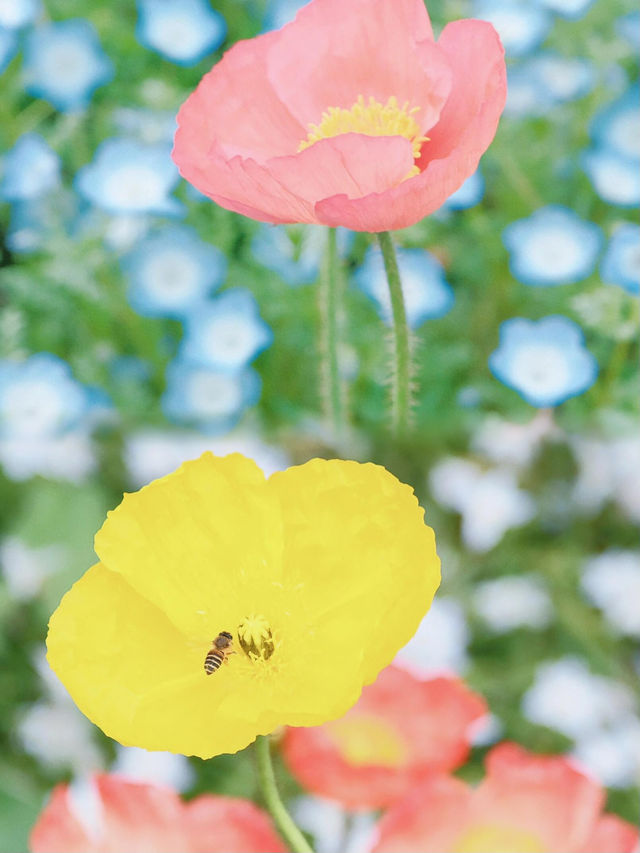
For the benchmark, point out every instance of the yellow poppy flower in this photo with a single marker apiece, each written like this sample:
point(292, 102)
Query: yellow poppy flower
point(320, 574)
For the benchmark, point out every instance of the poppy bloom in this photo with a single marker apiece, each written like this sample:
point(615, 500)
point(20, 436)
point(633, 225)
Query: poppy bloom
point(350, 115)
point(139, 818)
point(316, 576)
point(400, 731)
point(526, 803)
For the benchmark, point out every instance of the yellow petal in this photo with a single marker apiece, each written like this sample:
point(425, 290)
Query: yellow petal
point(135, 675)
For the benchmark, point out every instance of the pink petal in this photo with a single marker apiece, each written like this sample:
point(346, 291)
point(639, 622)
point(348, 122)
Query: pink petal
point(57, 830)
point(230, 825)
point(467, 126)
point(612, 833)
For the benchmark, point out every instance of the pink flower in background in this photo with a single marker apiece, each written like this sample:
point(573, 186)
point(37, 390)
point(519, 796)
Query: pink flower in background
point(401, 730)
point(136, 818)
point(526, 803)
point(351, 115)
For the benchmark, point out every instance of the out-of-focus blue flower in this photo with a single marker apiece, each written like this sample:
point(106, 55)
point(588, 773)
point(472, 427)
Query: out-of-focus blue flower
point(210, 399)
point(628, 28)
point(524, 95)
point(149, 126)
point(522, 26)
point(64, 63)
point(572, 9)
point(280, 12)
point(31, 168)
point(469, 194)
point(295, 252)
point(171, 272)
point(8, 47)
point(546, 361)
point(126, 176)
point(553, 246)
point(15, 14)
point(562, 78)
point(39, 398)
point(427, 295)
point(226, 333)
point(616, 179)
point(621, 263)
point(617, 126)
point(183, 31)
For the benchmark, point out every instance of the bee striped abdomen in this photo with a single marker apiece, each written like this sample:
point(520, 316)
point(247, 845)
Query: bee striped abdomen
point(213, 661)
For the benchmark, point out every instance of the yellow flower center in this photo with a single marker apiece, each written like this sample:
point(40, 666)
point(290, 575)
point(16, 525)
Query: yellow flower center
point(364, 740)
point(372, 119)
point(256, 638)
point(489, 838)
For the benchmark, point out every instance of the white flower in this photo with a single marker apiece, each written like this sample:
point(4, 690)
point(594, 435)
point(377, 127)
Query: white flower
point(612, 582)
point(25, 569)
point(613, 756)
point(511, 443)
point(66, 457)
point(332, 832)
point(608, 471)
point(512, 602)
point(59, 736)
point(440, 643)
point(154, 768)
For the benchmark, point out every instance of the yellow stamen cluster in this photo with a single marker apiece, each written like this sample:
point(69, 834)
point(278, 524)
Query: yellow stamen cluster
point(370, 118)
point(255, 637)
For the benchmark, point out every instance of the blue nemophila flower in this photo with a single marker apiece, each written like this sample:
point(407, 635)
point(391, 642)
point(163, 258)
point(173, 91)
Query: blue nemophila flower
point(172, 271)
point(546, 361)
point(31, 168)
point(628, 28)
point(8, 46)
point(621, 263)
point(616, 179)
point(64, 63)
point(295, 252)
point(39, 398)
point(525, 98)
point(522, 26)
point(280, 12)
point(553, 246)
point(561, 78)
point(427, 294)
point(469, 194)
point(210, 399)
point(226, 333)
point(15, 14)
point(573, 9)
point(126, 176)
point(183, 31)
point(617, 126)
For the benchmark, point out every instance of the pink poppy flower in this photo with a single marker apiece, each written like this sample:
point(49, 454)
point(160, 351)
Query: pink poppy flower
point(401, 730)
point(350, 115)
point(137, 818)
point(526, 803)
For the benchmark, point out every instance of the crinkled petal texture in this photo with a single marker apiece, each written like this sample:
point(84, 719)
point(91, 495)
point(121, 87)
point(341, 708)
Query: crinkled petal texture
point(334, 557)
point(240, 132)
point(401, 731)
point(142, 818)
point(528, 803)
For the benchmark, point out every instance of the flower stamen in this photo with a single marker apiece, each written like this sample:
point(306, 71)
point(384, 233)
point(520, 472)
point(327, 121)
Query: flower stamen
point(256, 638)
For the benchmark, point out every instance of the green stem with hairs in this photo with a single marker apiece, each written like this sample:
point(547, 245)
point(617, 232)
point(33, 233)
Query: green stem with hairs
point(330, 298)
point(401, 378)
point(282, 819)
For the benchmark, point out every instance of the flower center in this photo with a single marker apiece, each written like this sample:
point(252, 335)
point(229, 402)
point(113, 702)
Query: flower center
point(366, 740)
point(488, 838)
point(255, 637)
point(372, 119)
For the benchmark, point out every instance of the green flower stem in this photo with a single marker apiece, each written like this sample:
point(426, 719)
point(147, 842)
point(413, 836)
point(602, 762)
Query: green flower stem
point(401, 379)
point(330, 308)
point(289, 831)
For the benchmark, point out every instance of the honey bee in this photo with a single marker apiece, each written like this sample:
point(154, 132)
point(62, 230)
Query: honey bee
point(220, 649)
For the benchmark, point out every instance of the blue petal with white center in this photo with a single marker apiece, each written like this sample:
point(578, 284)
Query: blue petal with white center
point(560, 78)
point(621, 262)
point(616, 179)
point(427, 295)
point(280, 12)
point(171, 272)
point(39, 398)
point(126, 176)
point(183, 31)
point(617, 126)
point(64, 63)
point(628, 28)
point(8, 47)
point(553, 246)
point(525, 98)
point(522, 26)
point(295, 252)
point(212, 400)
point(546, 361)
point(226, 333)
point(15, 14)
point(468, 195)
point(30, 169)
point(572, 9)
